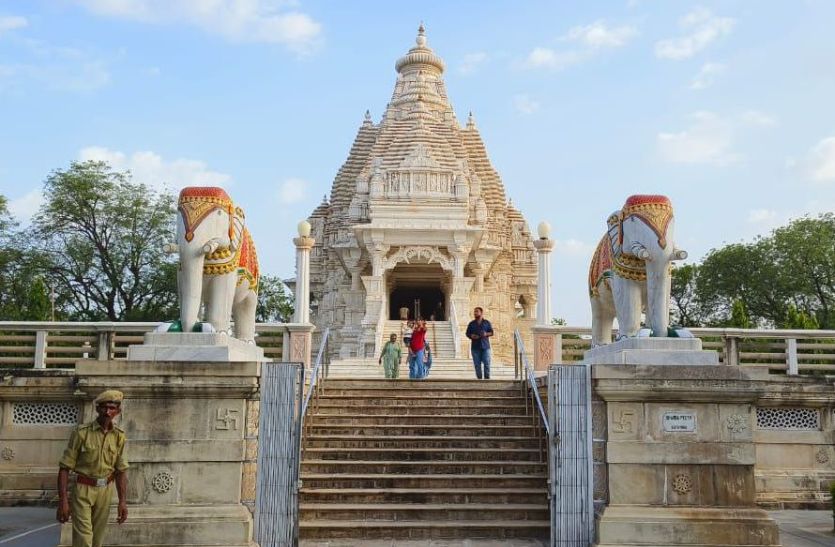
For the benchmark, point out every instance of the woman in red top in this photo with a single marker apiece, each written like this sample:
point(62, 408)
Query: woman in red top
point(417, 370)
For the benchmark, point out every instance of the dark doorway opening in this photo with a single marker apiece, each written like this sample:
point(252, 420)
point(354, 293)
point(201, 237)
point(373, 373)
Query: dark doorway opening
point(425, 301)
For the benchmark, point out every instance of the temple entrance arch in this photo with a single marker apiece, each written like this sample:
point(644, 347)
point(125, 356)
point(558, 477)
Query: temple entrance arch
point(421, 288)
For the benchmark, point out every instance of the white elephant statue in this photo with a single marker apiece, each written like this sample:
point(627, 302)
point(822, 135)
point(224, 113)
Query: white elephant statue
point(218, 264)
point(630, 269)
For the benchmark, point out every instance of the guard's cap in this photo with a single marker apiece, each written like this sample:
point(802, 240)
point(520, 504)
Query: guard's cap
point(110, 396)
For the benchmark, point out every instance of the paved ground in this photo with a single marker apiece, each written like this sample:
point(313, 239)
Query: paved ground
point(36, 527)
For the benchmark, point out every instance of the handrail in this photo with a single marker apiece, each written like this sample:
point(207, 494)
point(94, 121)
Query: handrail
point(316, 373)
point(531, 380)
point(720, 332)
point(456, 334)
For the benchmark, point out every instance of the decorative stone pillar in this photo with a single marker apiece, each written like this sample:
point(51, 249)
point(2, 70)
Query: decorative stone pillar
point(544, 245)
point(303, 245)
point(680, 457)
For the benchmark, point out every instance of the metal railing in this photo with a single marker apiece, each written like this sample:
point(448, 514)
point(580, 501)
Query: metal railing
point(456, 333)
point(530, 385)
point(790, 350)
point(43, 344)
point(318, 373)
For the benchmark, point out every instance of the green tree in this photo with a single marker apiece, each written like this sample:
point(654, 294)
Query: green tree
point(101, 237)
point(274, 303)
point(739, 316)
point(686, 307)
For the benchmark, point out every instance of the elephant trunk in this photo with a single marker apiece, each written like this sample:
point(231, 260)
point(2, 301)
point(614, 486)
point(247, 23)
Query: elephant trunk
point(190, 280)
point(658, 298)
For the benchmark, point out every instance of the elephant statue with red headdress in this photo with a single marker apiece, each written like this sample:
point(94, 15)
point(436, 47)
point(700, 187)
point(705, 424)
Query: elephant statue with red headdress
point(218, 265)
point(630, 269)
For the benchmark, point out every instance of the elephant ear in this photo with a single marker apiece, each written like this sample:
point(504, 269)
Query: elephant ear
point(615, 223)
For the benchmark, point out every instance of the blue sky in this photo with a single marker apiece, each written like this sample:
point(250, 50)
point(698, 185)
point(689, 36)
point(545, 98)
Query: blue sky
point(726, 107)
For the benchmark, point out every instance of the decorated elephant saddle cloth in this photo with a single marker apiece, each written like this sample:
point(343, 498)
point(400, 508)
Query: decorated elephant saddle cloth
point(611, 258)
point(195, 205)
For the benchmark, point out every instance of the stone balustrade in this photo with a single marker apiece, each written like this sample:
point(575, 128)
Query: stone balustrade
point(778, 350)
point(56, 344)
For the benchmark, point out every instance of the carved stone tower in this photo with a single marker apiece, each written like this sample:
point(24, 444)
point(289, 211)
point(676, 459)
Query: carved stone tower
point(418, 219)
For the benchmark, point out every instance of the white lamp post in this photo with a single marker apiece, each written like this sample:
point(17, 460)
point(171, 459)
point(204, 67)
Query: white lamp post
point(303, 245)
point(543, 246)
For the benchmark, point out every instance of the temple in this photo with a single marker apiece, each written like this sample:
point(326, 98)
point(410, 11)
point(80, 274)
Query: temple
point(418, 219)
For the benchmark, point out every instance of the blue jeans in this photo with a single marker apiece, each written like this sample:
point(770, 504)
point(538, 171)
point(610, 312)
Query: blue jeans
point(481, 356)
point(416, 366)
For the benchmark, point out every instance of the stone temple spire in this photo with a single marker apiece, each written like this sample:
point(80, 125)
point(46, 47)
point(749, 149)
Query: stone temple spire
point(420, 58)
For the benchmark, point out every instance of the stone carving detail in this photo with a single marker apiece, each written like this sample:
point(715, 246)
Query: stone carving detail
point(227, 419)
point(682, 484)
point(297, 349)
point(545, 349)
point(421, 254)
point(736, 423)
point(8, 453)
point(44, 414)
point(805, 419)
point(623, 423)
point(163, 482)
point(822, 456)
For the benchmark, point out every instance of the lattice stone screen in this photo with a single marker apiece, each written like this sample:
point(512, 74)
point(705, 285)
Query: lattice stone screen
point(44, 413)
point(803, 419)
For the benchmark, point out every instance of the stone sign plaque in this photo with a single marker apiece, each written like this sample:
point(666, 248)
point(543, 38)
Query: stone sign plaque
point(679, 422)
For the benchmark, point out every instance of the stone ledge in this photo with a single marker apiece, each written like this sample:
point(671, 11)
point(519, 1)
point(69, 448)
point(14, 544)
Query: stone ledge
point(194, 346)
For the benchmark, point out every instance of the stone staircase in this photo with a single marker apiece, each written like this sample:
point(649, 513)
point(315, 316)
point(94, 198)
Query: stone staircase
point(437, 459)
point(438, 334)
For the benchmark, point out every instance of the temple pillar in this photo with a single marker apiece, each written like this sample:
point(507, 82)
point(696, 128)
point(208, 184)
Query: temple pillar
point(374, 300)
point(543, 288)
point(459, 298)
point(303, 245)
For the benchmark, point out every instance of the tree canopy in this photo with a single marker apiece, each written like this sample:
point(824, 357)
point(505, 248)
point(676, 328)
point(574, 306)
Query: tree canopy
point(784, 280)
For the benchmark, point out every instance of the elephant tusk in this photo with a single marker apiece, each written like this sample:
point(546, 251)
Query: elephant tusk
point(170, 248)
point(640, 251)
point(679, 254)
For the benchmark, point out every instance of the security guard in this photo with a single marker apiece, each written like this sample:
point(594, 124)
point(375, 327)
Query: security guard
point(96, 453)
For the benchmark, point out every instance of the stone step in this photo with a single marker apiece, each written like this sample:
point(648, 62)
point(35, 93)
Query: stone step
point(429, 430)
point(434, 384)
point(416, 391)
point(397, 512)
point(428, 401)
point(419, 495)
point(339, 467)
point(422, 454)
point(394, 418)
point(442, 480)
point(414, 410)
point(441, 442)
point(415, 530)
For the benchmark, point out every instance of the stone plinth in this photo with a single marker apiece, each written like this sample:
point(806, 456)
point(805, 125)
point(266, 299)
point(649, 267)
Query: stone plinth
point(194, 346)
point(680, 457)
point(189, 427)
point(651, 351)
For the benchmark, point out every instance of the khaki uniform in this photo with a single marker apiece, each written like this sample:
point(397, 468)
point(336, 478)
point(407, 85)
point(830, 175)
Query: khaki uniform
point(95, 454)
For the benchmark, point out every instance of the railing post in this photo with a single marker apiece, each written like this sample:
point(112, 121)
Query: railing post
point(107, 339)
point(40, 348)
point(558, 350)
point(791, 357)
point(731, 351)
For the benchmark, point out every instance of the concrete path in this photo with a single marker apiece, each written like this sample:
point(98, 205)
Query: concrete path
point(36, 527)
point(28, 527)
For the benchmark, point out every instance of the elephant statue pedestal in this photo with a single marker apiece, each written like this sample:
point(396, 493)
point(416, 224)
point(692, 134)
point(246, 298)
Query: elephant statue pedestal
point(215, 347)
point(651, 351)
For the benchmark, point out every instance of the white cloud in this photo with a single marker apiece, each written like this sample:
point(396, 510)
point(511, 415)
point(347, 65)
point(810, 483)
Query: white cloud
point(820, 161)
point(757, 118)
point(235, 20)
point(12, 22)
point(762, 216)
point(150, 168)
point(472, 61)
point(707, 140)
point(573, 248)
point(702, 28)
point(25, 207)
point(524, 104)
point(542, 57)
point(292, 190)
point(599, 35)
point(707, 75)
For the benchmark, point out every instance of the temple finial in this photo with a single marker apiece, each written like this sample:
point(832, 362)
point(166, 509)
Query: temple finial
point(421, 37)
point(470, 121)
point(367, 118)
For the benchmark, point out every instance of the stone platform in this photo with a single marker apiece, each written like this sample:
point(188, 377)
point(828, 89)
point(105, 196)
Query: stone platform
point(194, 346)
point(651, 351)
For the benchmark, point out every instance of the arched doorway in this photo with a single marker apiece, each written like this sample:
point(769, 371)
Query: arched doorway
point(420, 289)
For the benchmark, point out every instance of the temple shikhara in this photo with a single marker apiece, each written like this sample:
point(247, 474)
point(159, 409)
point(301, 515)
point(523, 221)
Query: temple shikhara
point(418, 218)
